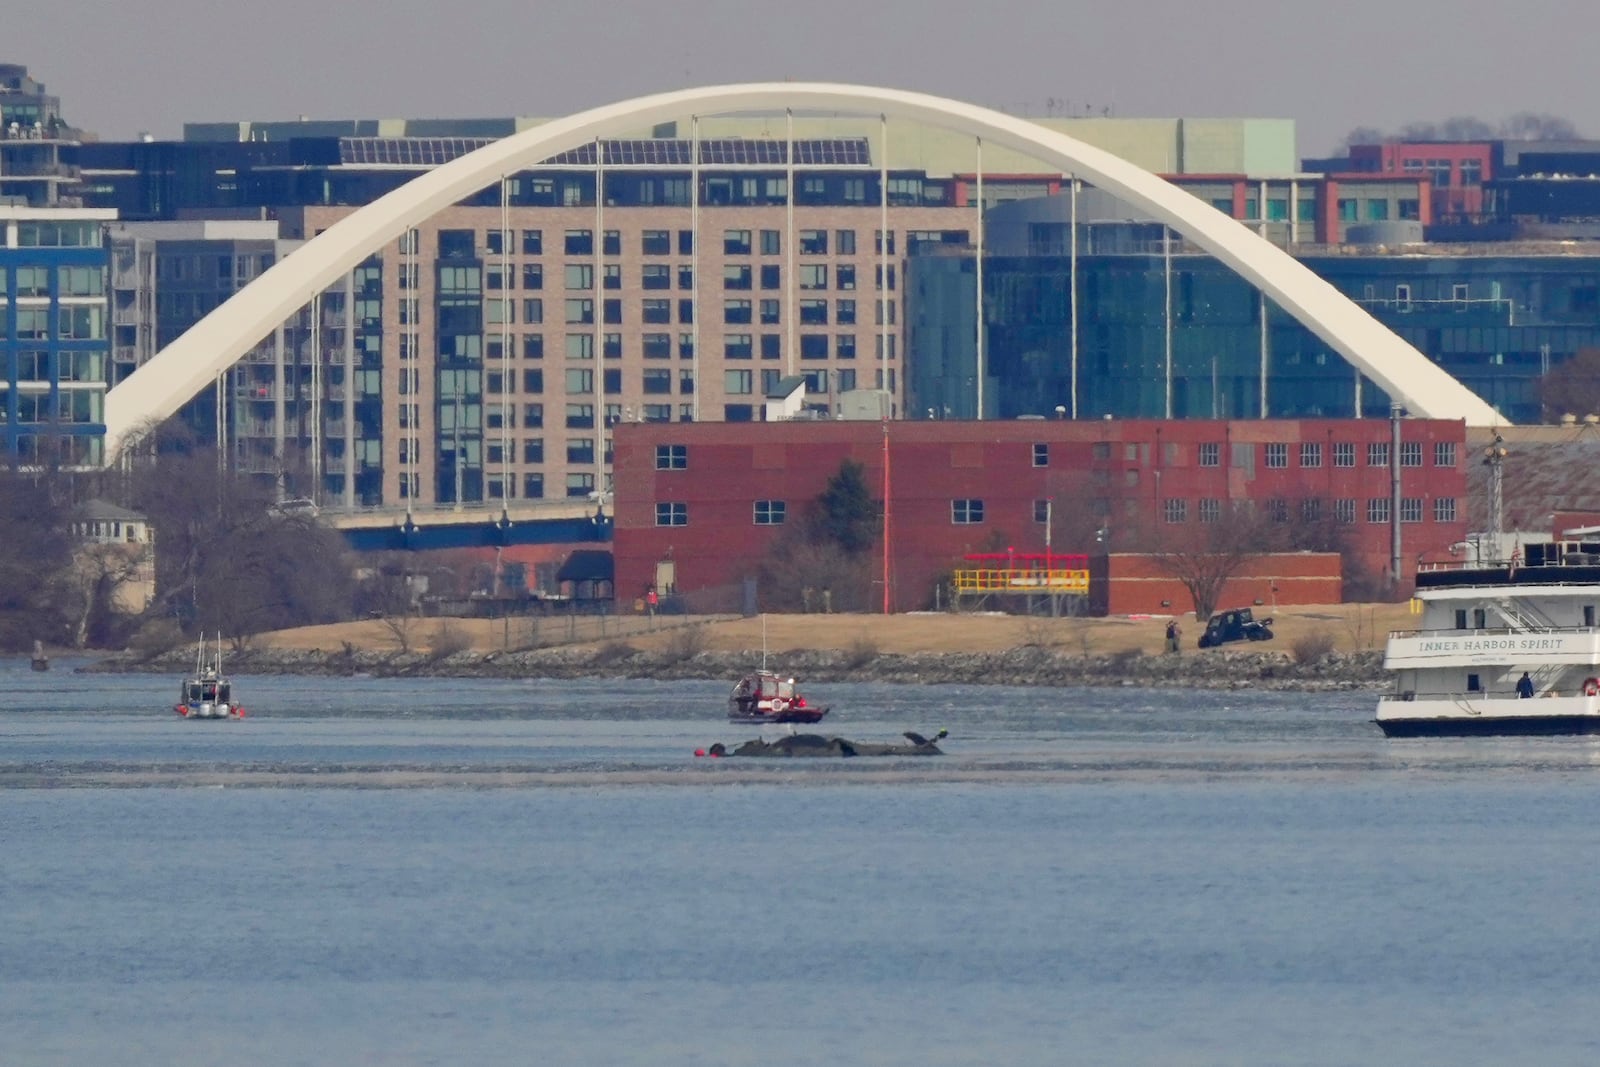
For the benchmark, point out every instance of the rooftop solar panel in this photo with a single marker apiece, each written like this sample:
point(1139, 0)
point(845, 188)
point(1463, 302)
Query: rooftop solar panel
point(663, 152)
point(407, 151)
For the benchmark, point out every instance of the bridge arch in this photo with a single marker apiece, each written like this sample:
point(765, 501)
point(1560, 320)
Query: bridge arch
point(163, 384)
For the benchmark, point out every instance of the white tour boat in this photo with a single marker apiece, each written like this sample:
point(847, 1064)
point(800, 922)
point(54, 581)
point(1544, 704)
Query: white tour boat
point(1504, 647)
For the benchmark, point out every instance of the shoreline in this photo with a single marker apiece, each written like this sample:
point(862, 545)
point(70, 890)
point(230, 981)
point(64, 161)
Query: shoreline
point(1028, 665)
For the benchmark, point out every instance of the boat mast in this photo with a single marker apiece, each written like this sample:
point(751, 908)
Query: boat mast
point(886, 516)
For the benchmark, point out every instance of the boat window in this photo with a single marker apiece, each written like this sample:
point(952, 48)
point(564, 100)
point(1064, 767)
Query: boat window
point(194, 694)
point(1480, 619)
point(1461, 618)
point(1588, 616)
point(1473, 685)
point(224, 693)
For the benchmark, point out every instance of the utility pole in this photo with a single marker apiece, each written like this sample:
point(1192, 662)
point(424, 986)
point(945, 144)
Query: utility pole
point(1049, 568)
point(1395, 412)
point(1494, 458)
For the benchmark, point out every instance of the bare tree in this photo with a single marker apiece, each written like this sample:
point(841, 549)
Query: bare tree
point(1466, 128)
point(91, 585)
point(385, 593)
point(803, 575)
point(1572, 387)
point(1420, 131)
point(1205, 556)
point(1363, 135)
point(35, 530)
point(227, 560)
point(1525, 126)
point(1530, 126)
point(402, 626)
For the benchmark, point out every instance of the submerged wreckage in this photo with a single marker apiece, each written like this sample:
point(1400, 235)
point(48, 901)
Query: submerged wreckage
point(817, 745)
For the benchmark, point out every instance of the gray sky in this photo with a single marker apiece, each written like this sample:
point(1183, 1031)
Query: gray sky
point(122, 66)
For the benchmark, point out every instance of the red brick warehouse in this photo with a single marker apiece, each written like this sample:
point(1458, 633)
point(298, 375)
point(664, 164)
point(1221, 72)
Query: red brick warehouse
point(705, 495)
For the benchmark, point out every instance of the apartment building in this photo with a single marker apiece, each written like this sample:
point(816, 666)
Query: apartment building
point(522, 327)
point(53, 338)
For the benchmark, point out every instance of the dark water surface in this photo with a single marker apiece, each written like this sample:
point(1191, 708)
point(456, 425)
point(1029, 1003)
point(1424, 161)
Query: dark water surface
point(439, 871)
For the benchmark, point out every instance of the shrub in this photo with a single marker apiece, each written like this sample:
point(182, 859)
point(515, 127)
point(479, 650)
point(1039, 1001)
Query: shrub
point(613, 652)
point(155, 637)
point(447, 641)
point(1126, 658)
point(1311, 647)
point(1041, 631)
point(685, 644)
point(860, 651)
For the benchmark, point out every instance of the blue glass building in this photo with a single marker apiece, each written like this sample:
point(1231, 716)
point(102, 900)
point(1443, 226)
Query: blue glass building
point(1162, 329)
point(53, 334)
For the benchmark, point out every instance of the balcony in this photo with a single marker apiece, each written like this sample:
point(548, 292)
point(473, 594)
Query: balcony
point(47, 171)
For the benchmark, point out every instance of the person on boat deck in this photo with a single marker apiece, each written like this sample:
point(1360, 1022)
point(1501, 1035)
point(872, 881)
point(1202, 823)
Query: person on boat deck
point(1525, 686)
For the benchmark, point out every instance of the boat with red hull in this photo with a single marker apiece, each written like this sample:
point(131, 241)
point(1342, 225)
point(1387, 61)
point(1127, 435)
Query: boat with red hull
point(765, 697)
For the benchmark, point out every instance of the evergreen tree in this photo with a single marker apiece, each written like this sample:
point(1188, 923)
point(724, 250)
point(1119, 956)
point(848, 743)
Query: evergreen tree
point(846, 514)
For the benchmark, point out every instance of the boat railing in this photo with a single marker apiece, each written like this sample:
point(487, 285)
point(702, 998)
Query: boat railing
point(1407, 696)
point(1431, 566)
point(1495, 631)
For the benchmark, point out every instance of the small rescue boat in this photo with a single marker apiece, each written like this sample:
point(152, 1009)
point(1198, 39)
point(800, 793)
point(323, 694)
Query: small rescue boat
point(762, 696)
point(209, 693)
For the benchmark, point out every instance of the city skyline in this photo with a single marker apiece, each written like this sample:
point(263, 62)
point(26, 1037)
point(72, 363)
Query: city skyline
point(120, 71)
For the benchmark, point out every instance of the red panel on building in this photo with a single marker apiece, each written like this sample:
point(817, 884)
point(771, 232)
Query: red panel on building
point(1137, 584)
point(1454, 170)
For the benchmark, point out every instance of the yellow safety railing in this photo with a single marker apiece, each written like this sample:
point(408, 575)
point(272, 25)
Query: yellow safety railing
point(1003, 580)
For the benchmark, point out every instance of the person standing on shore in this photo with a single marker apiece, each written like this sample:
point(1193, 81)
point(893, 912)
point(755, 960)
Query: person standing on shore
point(1173, 633)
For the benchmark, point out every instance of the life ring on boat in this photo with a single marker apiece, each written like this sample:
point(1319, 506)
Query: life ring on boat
point(1591, 687)
point(779, 706)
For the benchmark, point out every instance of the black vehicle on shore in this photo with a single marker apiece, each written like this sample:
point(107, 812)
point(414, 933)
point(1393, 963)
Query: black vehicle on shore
point(1237, 624)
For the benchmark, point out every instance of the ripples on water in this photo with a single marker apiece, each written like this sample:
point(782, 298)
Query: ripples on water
point(1091, 876)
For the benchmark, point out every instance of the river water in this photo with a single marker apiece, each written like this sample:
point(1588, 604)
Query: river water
point(435, 871)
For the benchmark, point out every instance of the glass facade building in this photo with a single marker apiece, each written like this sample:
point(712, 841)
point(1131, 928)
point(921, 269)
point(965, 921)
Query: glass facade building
point(1164, 330)
point(53, 334)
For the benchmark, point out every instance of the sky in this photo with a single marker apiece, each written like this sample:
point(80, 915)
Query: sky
point(129, 66)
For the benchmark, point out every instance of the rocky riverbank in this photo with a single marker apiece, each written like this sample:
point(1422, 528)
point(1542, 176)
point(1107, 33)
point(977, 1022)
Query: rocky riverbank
point(1025, 665)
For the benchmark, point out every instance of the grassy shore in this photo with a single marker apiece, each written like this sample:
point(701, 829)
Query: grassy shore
point(1350, 628)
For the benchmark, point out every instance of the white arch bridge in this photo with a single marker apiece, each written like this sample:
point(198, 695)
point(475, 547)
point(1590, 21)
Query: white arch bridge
point(192, 362)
